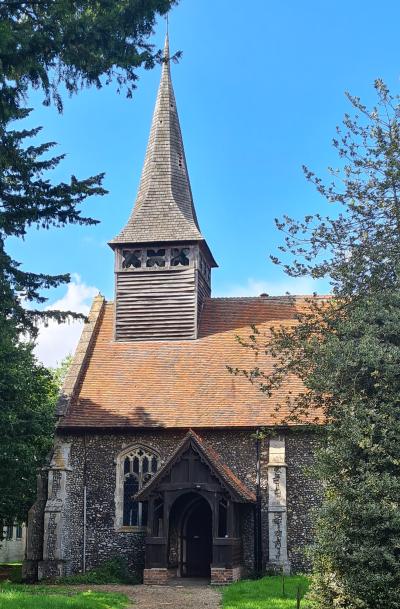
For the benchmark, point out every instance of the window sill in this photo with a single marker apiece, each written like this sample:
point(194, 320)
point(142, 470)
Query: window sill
point(131, 529)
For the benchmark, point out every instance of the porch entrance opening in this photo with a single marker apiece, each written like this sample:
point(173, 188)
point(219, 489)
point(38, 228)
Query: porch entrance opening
point(193, 517)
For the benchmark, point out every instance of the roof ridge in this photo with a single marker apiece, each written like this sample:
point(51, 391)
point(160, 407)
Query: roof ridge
point(268, 297)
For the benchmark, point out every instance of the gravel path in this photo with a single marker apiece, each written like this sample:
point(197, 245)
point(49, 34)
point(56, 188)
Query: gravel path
point(190, 595)
point(177, 597)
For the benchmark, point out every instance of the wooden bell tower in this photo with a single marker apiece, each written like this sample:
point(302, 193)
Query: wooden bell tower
point(162, 261)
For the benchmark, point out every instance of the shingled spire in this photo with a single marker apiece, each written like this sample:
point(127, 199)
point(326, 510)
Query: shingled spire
point(162, 262)
point(164, 209)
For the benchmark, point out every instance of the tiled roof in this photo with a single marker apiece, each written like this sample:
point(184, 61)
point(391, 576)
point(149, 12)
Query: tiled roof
point(164, 209)
point(182, 384)
point(223, 472)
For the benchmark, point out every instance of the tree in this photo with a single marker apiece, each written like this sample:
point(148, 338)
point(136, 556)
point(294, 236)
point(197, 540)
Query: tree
point(75, 43)
point(28, 394)
point(346, 351)
point(60, 372)
point(28, 398)
point(56, 46)
point(28, 198)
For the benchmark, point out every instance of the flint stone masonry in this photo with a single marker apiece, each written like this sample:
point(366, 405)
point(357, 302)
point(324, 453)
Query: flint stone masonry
point(303, 496)
point(63, 537)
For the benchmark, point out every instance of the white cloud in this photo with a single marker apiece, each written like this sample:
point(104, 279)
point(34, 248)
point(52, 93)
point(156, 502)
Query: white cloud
point(255, 287)
point(55, 341)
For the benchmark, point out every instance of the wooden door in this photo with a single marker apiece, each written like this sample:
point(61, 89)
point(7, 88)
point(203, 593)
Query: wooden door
point(199, 541)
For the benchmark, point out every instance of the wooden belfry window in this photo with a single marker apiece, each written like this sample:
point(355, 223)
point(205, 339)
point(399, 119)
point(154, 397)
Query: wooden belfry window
point(180, 256)
point(155, 257)
point(139, 466)
point(131, 259)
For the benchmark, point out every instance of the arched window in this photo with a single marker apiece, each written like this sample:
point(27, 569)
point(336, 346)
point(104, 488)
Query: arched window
point(135, 467)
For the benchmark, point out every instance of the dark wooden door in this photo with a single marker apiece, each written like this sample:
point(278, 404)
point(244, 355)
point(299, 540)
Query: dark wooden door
point(199, 541)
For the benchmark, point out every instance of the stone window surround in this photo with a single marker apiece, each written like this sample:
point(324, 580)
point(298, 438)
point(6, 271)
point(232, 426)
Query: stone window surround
point(119, 461)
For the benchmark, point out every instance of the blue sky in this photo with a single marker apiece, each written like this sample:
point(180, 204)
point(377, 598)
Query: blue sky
point(260, 89)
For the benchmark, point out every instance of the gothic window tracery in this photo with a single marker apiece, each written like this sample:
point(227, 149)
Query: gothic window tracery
point(138, 466)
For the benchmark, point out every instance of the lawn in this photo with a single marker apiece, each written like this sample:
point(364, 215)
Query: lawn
point(266, 593)
point(14, 596)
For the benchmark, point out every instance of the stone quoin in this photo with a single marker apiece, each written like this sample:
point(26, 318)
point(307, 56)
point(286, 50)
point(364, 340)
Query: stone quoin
point(156, 456)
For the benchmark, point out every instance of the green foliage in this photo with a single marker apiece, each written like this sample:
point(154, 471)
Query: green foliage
point(266, 593)
point(78, 43)
point(56, 47)
point(113, 571)
point(27, 398)
point(60, 372)
point(41, 597)
point(27, 198)
point(346, 351)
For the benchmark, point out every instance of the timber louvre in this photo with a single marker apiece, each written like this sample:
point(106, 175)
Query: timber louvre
point(158, 305)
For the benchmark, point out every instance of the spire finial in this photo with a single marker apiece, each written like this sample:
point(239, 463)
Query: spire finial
point(166, 44)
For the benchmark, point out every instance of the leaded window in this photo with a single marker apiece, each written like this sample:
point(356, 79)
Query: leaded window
point(138, 468)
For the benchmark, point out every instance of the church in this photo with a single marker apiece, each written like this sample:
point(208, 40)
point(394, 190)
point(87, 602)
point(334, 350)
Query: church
point(156, 455)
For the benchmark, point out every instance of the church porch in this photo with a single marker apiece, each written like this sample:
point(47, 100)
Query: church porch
point(194, 505)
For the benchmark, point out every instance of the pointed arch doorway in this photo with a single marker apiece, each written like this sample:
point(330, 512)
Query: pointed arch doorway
point(191, 534)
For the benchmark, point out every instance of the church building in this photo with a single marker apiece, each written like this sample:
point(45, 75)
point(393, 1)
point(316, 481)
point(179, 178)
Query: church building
point(156, 454)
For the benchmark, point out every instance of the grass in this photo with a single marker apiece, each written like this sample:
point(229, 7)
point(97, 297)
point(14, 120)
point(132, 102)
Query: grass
point(266, 593)
point(13, 596)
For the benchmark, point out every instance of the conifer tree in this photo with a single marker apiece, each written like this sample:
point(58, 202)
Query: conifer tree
point(56, 46)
